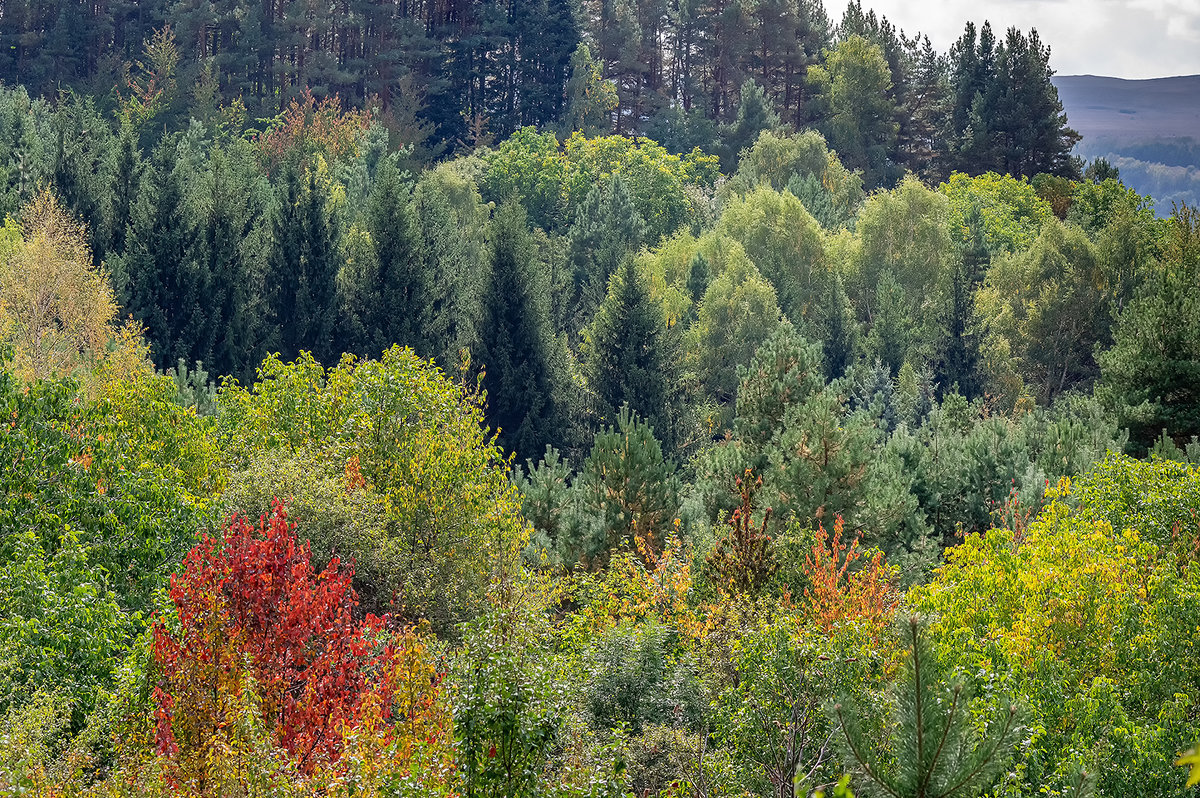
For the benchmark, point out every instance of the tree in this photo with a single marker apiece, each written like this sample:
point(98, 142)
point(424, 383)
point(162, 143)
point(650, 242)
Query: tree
point(607, 231)
point(590, 98)
point(784, 241)
point(387, 461)
point(265, 641)
point(755, 115)
point(519, 349)
point(452, 224)
point(1151, 375)
point(303, 267)
point(862, 129)
point(403, 282)
point(627, 490)
point(738, 312)
point(1006, 114)
point(1043, 313)
point(939, 751)
point(56, 309)
point(154, 274)
point(627, 352)
point(226, 263)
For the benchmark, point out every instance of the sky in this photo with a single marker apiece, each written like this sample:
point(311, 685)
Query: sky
point(1118, 38)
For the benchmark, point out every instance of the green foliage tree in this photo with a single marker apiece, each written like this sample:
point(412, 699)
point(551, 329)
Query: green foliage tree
point(606, 232)
point(627, 491)
point(939, 750)
point(857, 84)
point(303, 267)
point(387, 461)
point(628, 353)
point(755, 115)
point(519, 349)
point(785, 243)
point(738, 312)
point(1043, 313)
point(1151, 374)
point(399, 314)
point(590, 98)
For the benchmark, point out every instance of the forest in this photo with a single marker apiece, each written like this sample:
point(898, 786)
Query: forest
point(636, 398)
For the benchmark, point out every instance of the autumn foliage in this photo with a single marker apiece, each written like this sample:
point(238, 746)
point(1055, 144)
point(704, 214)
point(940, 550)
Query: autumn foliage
point(309, 125)
point(742, 559)
point(837, 594)
point(262, 636)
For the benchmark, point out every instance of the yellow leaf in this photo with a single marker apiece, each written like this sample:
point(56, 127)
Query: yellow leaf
point(1192, 758)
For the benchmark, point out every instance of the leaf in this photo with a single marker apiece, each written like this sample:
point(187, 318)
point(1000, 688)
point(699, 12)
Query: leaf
point(1192, 758)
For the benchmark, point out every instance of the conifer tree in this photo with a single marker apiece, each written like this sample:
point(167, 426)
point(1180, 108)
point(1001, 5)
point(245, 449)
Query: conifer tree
point(230, 213)
point(755, 114)
point(627, 353)
point(153, 274)
point(939, 750)
point(403, 282)
point(627, 489)
point(303, 269)
point(452, 223)
point(127, 177)
point(606, 230)
point(590, 98)
point(518, 347)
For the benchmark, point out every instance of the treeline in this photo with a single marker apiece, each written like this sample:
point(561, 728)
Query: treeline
point(446, 77)
point(983, 336)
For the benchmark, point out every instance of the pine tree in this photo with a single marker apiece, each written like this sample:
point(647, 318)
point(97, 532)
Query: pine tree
point(626, 352)
point(518, 347)
point(627, 489)
point(888, 340)
point(939, 750)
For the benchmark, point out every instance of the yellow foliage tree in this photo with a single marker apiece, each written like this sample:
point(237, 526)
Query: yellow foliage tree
point(57, 310)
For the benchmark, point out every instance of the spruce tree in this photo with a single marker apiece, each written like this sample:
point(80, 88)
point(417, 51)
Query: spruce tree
point(126, 170)
point(626, 352)
point(229, 214)
point(404, 288)
point(937, 748)
point(286, 265)
point(606, 230)
point(152, 274)
point(304, 265)
point(518, 346)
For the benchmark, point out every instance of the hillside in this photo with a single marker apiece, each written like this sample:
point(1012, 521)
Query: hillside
point(1147, 128)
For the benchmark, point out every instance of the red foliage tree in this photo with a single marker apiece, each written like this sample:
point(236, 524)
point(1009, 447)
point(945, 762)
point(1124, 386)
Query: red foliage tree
point(255, 617)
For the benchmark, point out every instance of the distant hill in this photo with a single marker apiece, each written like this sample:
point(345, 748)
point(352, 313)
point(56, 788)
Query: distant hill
point(1149, 129)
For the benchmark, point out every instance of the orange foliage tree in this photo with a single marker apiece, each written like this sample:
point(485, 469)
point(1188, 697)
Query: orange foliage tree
point(309, 126)
point(836, 594)
point(262, 635)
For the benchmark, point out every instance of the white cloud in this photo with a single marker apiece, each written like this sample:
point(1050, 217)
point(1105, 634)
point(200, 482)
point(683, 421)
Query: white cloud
point(1122, 38)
